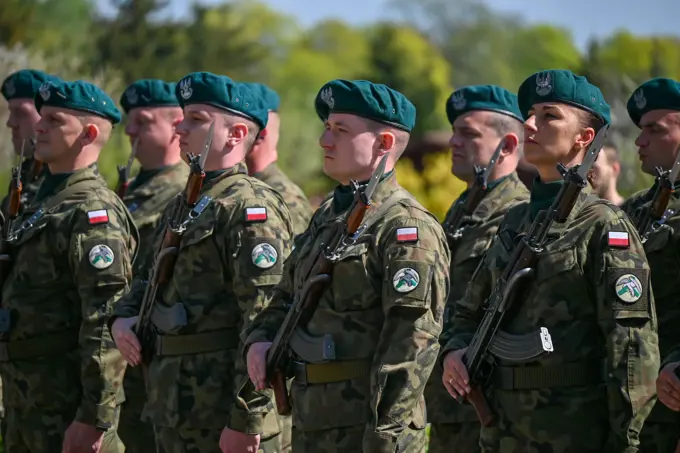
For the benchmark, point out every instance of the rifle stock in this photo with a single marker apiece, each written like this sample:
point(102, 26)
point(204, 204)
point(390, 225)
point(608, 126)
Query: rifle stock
point(13, 208)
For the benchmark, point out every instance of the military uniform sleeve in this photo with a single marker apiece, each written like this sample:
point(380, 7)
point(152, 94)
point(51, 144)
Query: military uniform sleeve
point(100, 264)
point(414, 291)
point(257, 251)
point(627, 319)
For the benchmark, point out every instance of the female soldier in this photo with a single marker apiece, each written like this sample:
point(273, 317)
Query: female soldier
point(591, 291)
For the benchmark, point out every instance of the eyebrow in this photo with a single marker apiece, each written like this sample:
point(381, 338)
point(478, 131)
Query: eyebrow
point(650, 124)
point(339, 124)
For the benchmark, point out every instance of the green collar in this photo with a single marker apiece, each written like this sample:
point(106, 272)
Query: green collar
point(542, 195)
point(489, 187)
point(343, 195)
point(50, 184)
point(144, 176)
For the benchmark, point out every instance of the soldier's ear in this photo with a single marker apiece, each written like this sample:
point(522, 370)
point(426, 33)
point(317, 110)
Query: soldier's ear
point(386, 141)
point(90, 134)
point(511, 144)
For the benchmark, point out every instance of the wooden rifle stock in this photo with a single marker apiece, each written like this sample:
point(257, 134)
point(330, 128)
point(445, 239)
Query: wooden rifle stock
point(123, 183)
point(478, 400)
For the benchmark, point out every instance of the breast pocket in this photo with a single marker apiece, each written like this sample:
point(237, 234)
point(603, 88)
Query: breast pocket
point(34, 260)
point(352, 286)
point(199, 264)
point(559, 287)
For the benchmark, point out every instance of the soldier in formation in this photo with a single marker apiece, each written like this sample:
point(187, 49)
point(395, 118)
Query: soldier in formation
point(230, 257)
point(383, 310)
point(487, 134)
point(71, 255)
point(606, 173)
point(593, 387)
point(153, 113)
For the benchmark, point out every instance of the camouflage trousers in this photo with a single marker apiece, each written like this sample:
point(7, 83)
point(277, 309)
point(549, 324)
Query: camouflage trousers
point(350, 439)
point(657, 437)
point(137, 435)
point(188, 440)
point(454, 438)
point(286, 440)
point(44, 433)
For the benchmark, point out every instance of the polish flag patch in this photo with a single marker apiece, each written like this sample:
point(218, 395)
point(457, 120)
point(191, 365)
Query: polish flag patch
point(256, 214)
point(407, 234)
point(98, 216)
point(618, 239)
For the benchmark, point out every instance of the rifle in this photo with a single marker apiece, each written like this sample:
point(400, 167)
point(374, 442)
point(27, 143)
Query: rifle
point(489, 341)
point(655, 215)
point(186, 208)
point(124, 172)
point(318, 279)
point(474, 196)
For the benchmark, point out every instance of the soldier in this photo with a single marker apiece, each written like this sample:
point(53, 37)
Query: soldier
point(481, 116)
point(606, 173)
point(72, 253)
point(219, 283)
point(19, 89)
point(262, 163)
point(655, 108)
point(383, 309)
point(591, 292)
point(153, 114)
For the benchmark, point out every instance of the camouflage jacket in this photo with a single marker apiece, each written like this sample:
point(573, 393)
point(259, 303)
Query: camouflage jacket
point(579, 295)
point(663, 253)
point(384, 311)
point(300, 209)
point(478, 230)
point(30, 184)
point(146, 203)
point(229, 260)
point(71, 260)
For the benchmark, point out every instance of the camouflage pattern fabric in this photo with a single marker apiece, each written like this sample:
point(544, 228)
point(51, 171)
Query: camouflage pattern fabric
point(385, 307)
point(662, 250)
point(186, 440)
point(298, 204)
point(30, 184)
point(467, 249)
point(69, 267)
point(229, 260)
point(146, 203)
point(595, 299)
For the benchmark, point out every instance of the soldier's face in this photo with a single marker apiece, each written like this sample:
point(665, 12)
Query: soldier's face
point(473, 143)
point(155, 128)
point(21, 121)
point(603, 174)
point(658, 140)
point(57, 133)
point(349, 147)
point(193, 129)
point(550, 133)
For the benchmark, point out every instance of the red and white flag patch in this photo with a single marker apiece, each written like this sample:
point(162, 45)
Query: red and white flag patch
point(256, 214)
point(98, 216)
point(618, 239)
point(407, 234)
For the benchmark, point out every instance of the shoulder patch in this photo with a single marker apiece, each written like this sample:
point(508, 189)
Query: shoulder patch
point(407, 234)
point(405, 280)
point(98, 216)
point(628, 288)
point(264, 255)
point(256, 214)
point(101, 256)
point(618, 239)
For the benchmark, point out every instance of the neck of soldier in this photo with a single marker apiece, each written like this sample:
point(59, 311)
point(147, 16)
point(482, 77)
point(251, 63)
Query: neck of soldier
point(548, 172)
point(366, 174)
point(225, 158)
point(260, 158)
point(157, 160)
point(68, 164)
point(610, 193)
point(501, 170)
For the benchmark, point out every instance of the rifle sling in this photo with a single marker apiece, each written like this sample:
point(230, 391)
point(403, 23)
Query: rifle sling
point(46, 345)
point(550, 376)
point(196, 343)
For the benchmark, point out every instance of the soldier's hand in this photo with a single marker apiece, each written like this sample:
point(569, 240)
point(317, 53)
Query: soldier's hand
point(455, 375)
point(668, 387)
point(82, 438)
point(236, 442)
point(126, 340)
point(257, 364)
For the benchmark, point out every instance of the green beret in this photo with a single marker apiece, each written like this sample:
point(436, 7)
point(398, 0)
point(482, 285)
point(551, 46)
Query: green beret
point(562, 86)
point(270, 96)
point(24, 84)
point(149, 93)
point(224, 93)
point(482, 97)
point(366, 99)
point(79, 95)
point(655, 94)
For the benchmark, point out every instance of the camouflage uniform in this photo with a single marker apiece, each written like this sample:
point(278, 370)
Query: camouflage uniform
point(594, 391)
point(146, 199)
point(300, 209)
point(221, 283)
point(452, 423)
point(370, 398)
point(69, 265)
point(660, 432)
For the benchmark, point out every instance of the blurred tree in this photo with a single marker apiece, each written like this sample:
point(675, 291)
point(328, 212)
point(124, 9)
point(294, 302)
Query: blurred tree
point(16, 16)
